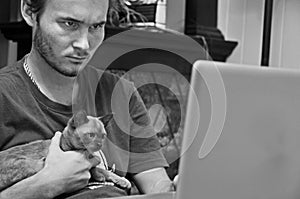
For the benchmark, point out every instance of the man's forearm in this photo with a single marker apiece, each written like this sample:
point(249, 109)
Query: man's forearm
point(33, 187)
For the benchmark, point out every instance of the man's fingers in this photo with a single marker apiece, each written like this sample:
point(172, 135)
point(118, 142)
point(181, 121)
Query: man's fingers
point(94, 160)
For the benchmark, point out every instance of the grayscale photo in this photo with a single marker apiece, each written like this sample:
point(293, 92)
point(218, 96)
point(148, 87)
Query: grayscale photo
point(149, 99)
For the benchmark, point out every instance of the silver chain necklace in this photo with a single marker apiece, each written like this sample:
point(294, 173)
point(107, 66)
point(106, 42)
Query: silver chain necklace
point(29, 74)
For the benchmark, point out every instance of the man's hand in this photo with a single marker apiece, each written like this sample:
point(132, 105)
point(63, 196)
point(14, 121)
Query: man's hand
point(67, 171)
point(153, 181)
point(63, 172)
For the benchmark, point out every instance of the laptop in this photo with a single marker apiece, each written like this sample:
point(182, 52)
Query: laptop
point(242, 133)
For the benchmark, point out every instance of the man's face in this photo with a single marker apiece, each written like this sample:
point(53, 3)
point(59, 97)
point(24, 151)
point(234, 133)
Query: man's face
point(69, 32)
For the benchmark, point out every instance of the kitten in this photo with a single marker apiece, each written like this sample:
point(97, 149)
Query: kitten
point(81, 132)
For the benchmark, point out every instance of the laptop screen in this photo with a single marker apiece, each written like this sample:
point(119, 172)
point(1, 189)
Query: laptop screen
point(242, 133)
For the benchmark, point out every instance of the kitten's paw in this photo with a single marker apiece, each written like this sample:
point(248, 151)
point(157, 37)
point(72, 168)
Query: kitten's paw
point(98, 175)
point(102, 175)
point(120, 181)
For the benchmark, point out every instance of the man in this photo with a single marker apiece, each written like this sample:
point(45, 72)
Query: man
point(36, 97)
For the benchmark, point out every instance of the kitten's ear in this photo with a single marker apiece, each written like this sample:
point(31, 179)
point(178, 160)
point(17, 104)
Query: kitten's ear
point(106, 118)
point(78, 119)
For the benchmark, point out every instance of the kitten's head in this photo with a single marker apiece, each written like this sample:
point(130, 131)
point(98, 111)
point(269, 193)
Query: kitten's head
point(86, 132)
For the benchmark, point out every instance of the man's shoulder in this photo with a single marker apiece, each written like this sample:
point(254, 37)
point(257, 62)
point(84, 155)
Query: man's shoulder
point(9, 69)
point(11, 80)
point(9, 72)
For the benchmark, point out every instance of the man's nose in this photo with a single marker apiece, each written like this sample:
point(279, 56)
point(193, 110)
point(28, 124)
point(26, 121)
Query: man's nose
point(82, 41)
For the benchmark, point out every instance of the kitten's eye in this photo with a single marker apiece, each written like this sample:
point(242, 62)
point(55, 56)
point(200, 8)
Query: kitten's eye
point(91, 135)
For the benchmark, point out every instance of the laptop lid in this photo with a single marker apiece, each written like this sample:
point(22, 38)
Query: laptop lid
point(242, 133)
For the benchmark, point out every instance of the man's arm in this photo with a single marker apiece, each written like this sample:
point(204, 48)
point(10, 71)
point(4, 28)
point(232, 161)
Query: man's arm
point(63, 172)
point(33, 187)
point(153, 181)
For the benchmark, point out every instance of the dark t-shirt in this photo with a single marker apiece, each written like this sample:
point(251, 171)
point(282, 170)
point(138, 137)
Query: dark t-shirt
point(26, 115)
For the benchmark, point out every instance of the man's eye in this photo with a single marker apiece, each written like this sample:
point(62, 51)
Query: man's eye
point(71, 24)
point(96, 27)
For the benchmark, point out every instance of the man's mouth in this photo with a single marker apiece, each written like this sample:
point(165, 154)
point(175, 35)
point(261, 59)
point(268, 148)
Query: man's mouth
point(76, 59)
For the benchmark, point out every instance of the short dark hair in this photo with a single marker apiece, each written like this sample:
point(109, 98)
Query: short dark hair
point(115, 8)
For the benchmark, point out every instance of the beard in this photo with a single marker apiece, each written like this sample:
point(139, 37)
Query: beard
point(43, 45)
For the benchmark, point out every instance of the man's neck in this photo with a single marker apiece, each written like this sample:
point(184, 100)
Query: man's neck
point(55, 86)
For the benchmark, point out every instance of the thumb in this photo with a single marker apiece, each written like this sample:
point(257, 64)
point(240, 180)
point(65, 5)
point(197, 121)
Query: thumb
point(92, 158)
point(175, 181)
point(55, 141)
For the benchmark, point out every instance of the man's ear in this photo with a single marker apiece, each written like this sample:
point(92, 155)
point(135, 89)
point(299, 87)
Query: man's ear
point(27, 14)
